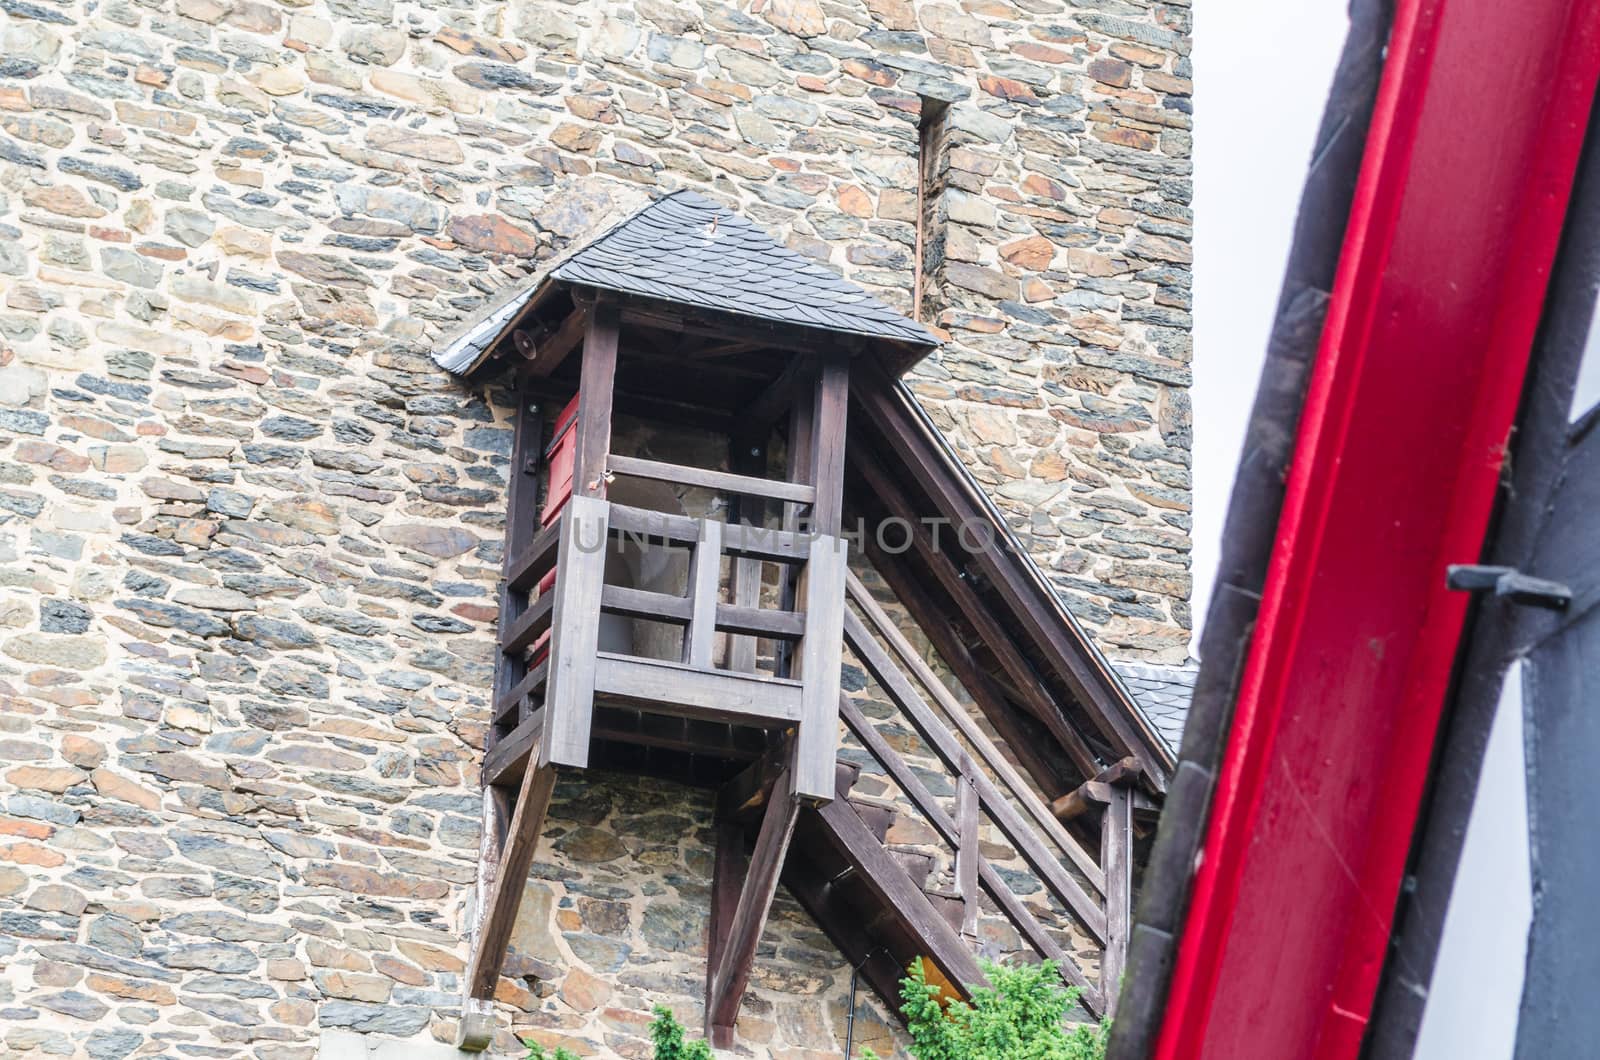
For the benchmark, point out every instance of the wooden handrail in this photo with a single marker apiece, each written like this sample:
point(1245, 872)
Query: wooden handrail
point(722, 481)
point(757, 542)
point(987, 751)
point(944, 745)
point(952, 833)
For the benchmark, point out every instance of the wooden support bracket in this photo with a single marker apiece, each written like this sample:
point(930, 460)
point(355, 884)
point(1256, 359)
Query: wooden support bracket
point(500, 912)
point(735, 933)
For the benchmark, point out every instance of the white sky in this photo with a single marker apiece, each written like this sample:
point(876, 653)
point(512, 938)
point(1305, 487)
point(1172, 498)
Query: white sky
point(1262, 71)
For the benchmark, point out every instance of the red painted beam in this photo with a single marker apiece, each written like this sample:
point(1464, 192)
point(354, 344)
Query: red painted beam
point(1464, 186)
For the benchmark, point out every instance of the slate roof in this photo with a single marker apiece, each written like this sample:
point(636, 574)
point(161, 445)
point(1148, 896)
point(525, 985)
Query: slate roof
point(1163, 693)
point(685, 248)
point(688, 249)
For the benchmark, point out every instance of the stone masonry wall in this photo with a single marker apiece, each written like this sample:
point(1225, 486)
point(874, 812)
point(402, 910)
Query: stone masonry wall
point(249, 534)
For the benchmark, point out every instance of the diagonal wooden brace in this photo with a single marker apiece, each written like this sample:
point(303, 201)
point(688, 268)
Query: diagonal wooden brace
point(736, 931)
point(500, 911)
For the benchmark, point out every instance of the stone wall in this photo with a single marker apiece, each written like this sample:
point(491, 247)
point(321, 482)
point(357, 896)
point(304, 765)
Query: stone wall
point(249, 534)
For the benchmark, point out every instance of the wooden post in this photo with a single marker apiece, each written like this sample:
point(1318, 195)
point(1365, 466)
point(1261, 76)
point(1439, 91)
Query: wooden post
point(500, 916)
point(826, 470)
point(705, 584)
point(730, 972)
point(575, 633)
point(1117, 855)
point(817, 666)
point(967, 853)
point(522, 519)
point(596, 385)
point(747, 455)
point(476, 1026)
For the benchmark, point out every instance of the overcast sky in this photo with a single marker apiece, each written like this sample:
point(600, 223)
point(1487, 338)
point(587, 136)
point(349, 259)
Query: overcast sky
point(1262, 71)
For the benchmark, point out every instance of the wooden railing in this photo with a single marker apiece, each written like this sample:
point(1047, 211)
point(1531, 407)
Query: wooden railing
point(565, 684)
point(1034, 833)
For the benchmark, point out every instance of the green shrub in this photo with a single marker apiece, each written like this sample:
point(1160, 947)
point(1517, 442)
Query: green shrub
point(667, 1033)
point(1017, 1017)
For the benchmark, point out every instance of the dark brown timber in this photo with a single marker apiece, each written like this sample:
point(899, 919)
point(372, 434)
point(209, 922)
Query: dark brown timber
point(731, 971)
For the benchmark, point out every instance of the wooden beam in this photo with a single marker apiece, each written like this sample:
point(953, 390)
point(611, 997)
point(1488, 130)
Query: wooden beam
point(1065, 647)
point(533, 560)
point(1116, 854)
point(940, 626)
point(956, 714)
point(596, 382)
point(684, 691)
point(884, 876)
point(545, 352)
point(705, 586)
point(768, 407)
point(967, 854)
point(720, 481)
point(818, 659)
point(1045, 864)
point(747, 455)
point(580, 573)
point(731, 974)
point(1097, 789)
point(522, 839)
point(755, 541)
point(826, 466)
point(522, 512)
point(937, 559)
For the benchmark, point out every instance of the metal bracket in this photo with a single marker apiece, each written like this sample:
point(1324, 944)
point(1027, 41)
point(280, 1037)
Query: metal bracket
point(1509, 584)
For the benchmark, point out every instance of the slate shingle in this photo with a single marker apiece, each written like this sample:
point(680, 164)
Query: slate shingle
point(688, 249)
point(1163, 693)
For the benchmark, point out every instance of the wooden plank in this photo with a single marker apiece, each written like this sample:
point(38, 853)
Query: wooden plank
point(1028, 926)
point(1044, 864)
point(938, 561)
point(645, 604)
point(732, 972)
point(755, 541)
point(507, 760)
point(710, 695)
point(580, 571)
point(475, 1030)
point(534, 560)
point(705, 586)
point(991, 881)
point(595, 384)
point(509, 706)
point(729, 868)
point(1050, 628)
point(526, 627)
point(1097, 789)
point(832, 402)
point(721, 481)
point(769, 406)
point(522, 839)
point(884, 876)
point(818, 659)
point(967, 855)
point(913, 591)
point(747, 455)
point(761, 622)
point(1117, 854)
point(552, 348)
point(956, 714)
point(522, 509)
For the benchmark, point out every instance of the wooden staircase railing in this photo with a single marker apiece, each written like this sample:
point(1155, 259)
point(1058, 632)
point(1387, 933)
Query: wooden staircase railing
point(1034, 833)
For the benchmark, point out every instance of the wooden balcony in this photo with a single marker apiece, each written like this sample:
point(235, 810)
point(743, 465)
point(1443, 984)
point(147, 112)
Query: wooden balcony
point(552, 704)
